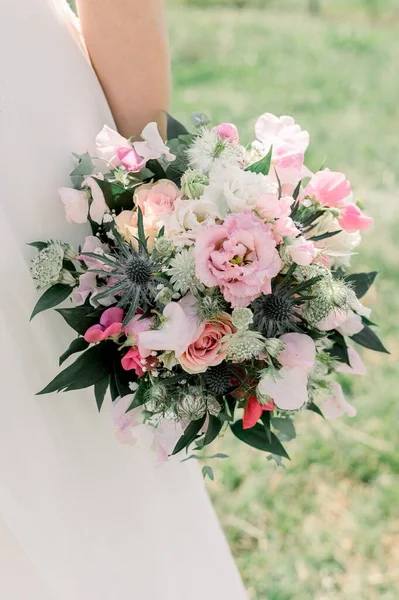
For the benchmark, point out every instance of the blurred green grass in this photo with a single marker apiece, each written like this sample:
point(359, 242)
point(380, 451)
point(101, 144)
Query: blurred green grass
point(326, 528)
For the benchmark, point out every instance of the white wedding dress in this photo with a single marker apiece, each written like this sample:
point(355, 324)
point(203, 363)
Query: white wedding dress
point(82, 517)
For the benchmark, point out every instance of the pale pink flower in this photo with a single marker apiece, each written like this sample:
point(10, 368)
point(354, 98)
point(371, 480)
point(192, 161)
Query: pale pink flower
point(181, 326)
point(240, 256)
point(335, 405)
point(153, 146)
point(166, 435)
point(329, 188)
point(98, 205)
point(302, 251)
point(132, 362)
point(335, 319)
point(288, 389)
point(208, 349)
point(285, 227)
point(110, 326)
point(87, 286)
point(130, 159)
point(269, 206)
point(108, 142)
point(124, 422)
point(157, 199)
point(356, 367)
point(352, 219)
point(281, 132)
point(228, 131)
point(127, 222)
point(93, 245)
point(288, 165)
point(299, 351)
point(76, 204)
point(352, 324)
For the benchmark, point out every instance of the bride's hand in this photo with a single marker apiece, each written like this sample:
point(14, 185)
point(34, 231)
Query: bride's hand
point(127, 43)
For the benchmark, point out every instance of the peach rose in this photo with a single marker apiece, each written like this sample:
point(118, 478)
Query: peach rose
point(126, 222)
point(208, 350)
point(156, 199)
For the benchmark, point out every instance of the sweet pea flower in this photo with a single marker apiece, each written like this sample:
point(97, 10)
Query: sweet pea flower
point(157, 199)
point(269, 206)
point(334, 319)
point(228, 131)
point(92, 245)
point(180, 328)
point(281, 133)
point(352, 324)
point(87, 286)
point(132, 362)
point(253, 411)
point(208, 349)
point(335, 405)
point(352, 219)
point(329, 188)
point(288, 388)
point(153, 146)
point(98, 206)
point(299, 351)
point(166, 435)
point(130, 159)
point(285, 227)
point(356, 366)
point(117, 150)
point(110, 326)
point(302, 251)
point(124, 422)
point(240, 256)
point(76, 204)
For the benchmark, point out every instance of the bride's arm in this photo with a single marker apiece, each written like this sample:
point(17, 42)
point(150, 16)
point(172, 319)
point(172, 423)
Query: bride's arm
point(127, 43)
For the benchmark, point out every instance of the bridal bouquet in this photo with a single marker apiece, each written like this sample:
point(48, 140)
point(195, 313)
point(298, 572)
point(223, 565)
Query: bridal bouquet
point(214, 290)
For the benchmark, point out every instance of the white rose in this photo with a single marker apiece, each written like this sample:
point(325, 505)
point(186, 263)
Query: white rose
point(187, 217)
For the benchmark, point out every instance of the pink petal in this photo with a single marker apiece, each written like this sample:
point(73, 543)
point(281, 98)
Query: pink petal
point(94, 334)
point(112, 315)
point(76, 204)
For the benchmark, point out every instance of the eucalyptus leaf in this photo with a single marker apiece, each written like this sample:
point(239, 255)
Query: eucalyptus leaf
point(83, 169)
point(369, 339)
point(207, 471)
point(257, 438)
point(51, 298)
point(77, 345)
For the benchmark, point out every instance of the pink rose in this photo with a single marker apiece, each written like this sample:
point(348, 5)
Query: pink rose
point(329, 188)
point(208, 350)
point(352, 219)
point(302, 251)
point(357, 366)
point(240, 256)
point(335, 405)
point(156, 199)
point(288, 388)
point(299, 351)
point(228, 131)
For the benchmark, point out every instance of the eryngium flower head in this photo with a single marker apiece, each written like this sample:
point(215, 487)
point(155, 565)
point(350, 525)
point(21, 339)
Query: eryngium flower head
point(47, 267)
point(274, 314)
point(218, 379)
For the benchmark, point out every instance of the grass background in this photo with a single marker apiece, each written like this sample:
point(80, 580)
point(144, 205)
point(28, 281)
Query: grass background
point(326, 527)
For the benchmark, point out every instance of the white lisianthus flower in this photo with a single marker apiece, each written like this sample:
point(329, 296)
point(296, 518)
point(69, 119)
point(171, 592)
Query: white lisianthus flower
point(187, 218)
point(236, 190)
point(210, 150)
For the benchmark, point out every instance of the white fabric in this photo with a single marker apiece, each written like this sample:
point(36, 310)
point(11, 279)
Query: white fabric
point(82, 517)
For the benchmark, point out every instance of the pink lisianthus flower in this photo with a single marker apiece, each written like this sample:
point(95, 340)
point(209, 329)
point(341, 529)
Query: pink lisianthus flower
point(124, 422)
point(153, 147)
point(157, 199)
point(228, 131)
point(329, 188)
point(110, 326)
point(352, 219)
point(335, 405)
point(240, 256)
point(356, 366)
point(288, 388)
point(253, 411)
point(299, 351)
point(302, 251)
point(208, 349)
point(180, 328)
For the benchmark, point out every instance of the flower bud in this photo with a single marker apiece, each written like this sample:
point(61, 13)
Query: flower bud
point(193, 184)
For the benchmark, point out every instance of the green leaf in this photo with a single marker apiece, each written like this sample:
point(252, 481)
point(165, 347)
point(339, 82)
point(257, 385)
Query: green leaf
point(369, 339)
point(174, 127)
point(116, 197)
point(83, 169)
point(263, 165)
point(52, 297)
point(189, 435)
point(38, 245)
point(314, 408)
point(140, 396)
point(87, 370)
point(100, 389)
point(203, 457)
point(256, 437)
point(199, 119)
point(266, 418)
point(80, 318)
point(77, 345)
point(156, 167)
point(285, 426)
point(140, 229)
point(214, 427)
point(324, 236)
point(208, 471)
point(122, 378)
point(361, 282)
point(339, 351)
